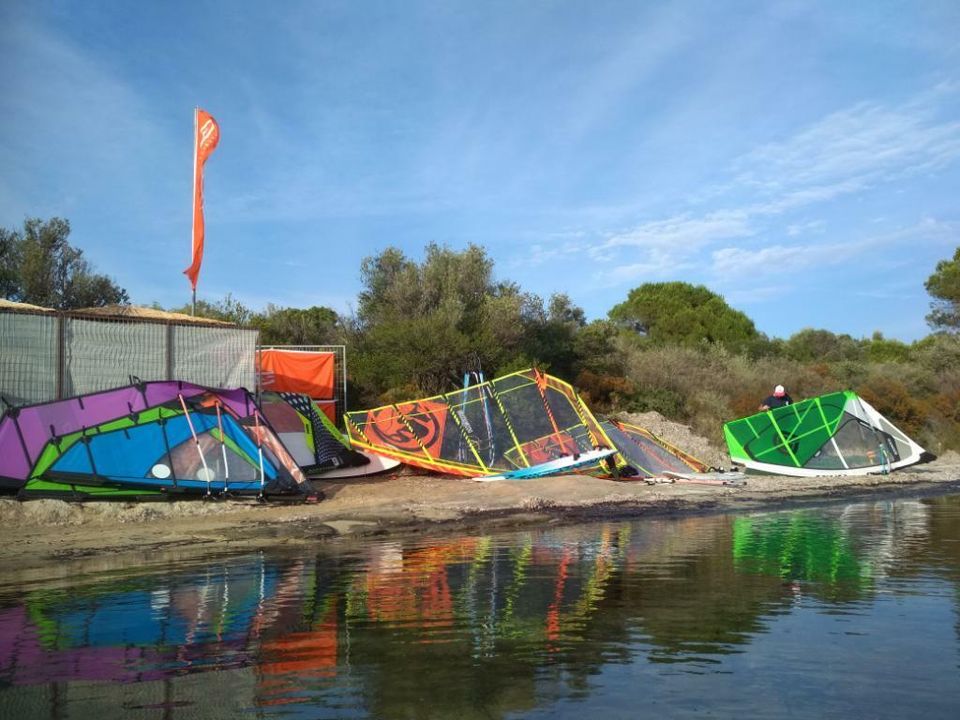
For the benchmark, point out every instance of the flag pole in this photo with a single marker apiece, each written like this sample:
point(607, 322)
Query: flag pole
point(205, 139)
point(193, 221)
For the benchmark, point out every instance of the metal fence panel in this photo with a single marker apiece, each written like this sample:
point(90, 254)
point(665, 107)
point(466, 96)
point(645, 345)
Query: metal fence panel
point(50, 355)
point(28, 357)
point(217, 357)
point(103, 354)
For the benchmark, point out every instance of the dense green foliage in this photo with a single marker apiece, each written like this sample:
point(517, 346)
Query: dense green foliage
point(678, 313)
point(39, 266)
point(295, 326)
point(419, 326)
point(227, 310)
point(920, 391)
point(277, 325)
point(944, 286)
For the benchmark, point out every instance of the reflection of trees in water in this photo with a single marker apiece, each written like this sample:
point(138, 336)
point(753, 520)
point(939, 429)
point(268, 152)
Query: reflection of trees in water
point(934, 545)
point(937, 551)
point(893, 526)
point(690, 601)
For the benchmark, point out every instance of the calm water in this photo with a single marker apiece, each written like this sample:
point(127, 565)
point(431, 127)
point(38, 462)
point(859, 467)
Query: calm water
point(847, 611)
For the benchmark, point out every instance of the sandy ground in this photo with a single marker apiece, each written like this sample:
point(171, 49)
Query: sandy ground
point(45, 539)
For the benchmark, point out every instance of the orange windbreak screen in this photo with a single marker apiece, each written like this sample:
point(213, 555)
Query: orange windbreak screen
point(329, 408)
point(309, 373)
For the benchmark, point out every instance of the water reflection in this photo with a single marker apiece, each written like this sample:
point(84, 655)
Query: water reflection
point(474, 626)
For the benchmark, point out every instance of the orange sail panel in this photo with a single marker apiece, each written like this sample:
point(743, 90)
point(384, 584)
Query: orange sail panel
point(415, 427)
point(206, 137)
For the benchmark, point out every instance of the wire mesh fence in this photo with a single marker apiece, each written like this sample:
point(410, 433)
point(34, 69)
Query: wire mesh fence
point(48, 355)
point(213, 356)
point(28, 359)
point(99, 354)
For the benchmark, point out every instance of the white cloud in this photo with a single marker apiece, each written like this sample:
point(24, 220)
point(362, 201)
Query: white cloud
point(851, 147)
point(806, 228)
point(682, 231)
point(540, 253)
point(752, 294)
point(845, 153)
point(654, 263)
point(779, 259)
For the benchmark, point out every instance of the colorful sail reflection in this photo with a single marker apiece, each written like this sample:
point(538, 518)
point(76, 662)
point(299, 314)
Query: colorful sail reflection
point(373, 626)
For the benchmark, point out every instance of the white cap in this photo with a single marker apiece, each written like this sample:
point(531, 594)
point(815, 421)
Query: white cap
point(778, 390)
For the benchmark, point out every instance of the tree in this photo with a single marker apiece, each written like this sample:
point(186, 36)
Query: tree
point(9, 263)
point(944, 286)
point(39, 266)
point(227, 310)
point(812, 345)
point(679, 313)
point(597, 349)
point(296, 326)
point(419, 326)
point(550, 336)
point(882, 350)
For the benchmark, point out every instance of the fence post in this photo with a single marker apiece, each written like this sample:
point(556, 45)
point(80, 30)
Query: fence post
point(169, 351)
point(61, 352)
point(256, 368)
point(343, 410)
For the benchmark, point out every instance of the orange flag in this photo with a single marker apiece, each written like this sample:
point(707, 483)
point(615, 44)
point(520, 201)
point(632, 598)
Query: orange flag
point(206, 137)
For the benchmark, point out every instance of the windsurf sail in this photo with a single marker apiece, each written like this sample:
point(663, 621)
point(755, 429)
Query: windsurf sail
point(147, 438)
point(516, 421)
point(650, 455)
point(308, 433)
point(834, 434)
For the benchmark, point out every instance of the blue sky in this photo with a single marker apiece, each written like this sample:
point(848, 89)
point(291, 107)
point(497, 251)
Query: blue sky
point(800, 158)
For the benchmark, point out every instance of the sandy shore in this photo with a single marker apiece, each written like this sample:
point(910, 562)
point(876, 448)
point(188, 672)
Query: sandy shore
point(43, 539)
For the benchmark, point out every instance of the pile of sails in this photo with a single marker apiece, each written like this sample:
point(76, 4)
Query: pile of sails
point(160, 439)
point(175, 439)
point(144, 440)
point(523, 425)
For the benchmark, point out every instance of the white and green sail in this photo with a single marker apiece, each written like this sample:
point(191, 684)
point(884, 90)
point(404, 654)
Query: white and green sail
point(834, 434)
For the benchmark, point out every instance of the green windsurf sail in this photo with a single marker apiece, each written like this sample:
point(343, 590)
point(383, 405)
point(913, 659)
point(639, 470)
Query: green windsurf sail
point(834, 434)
